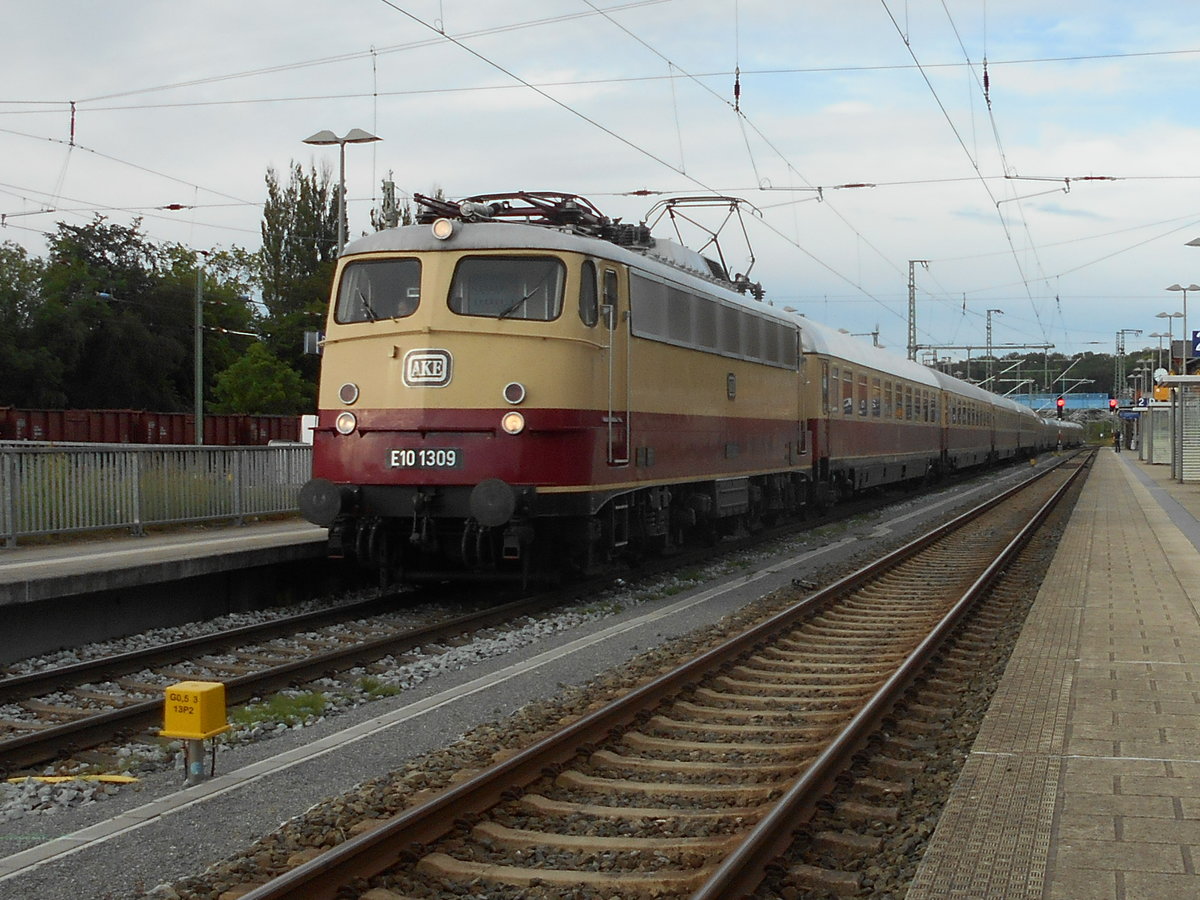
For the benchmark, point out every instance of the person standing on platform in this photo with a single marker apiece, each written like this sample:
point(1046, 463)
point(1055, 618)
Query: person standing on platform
point(1117, 441)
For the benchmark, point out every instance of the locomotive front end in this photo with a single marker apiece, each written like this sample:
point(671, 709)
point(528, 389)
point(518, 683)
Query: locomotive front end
point(458, 387)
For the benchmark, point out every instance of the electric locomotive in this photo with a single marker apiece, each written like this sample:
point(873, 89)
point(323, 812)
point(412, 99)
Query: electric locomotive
point(518, 385)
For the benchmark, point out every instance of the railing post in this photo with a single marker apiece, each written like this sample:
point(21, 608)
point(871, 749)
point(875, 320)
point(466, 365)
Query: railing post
point(9, 480)
point(239, 502)
point(138, 528)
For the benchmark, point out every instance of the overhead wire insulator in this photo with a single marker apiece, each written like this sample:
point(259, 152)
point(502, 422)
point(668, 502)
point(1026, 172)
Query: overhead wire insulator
point(987, 85)
point(737, 89)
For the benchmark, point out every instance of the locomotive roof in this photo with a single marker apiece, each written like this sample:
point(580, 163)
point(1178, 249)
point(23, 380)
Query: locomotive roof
point(663, 257)
point(667, 259)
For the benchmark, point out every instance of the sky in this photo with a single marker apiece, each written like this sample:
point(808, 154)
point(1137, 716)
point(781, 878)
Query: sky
point(1058, 186)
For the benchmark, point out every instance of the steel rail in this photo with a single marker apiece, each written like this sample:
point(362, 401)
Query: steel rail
point(19, 687)
point(48, 743)
point(375, 851)
point(741, 872)
point(34, 683)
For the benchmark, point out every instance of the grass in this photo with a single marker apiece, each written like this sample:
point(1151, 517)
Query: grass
point(375, 688)
point(284, 708)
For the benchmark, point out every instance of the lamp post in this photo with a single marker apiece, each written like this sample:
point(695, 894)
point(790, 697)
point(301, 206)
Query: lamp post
point(1170, 317)
point(198, 351)
point(353, 136)
point(1160, 335)
point(1187, 337)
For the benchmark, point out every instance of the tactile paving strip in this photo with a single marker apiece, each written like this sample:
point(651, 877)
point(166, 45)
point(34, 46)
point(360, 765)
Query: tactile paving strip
point(996, 830)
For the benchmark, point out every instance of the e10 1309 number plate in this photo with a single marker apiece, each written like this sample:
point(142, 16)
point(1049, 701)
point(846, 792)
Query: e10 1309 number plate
point(426, 458)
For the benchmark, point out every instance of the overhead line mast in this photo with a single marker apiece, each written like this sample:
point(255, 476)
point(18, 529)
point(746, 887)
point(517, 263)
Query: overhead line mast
point(912, 305)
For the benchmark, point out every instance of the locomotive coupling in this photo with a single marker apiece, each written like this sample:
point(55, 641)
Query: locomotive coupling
point(322, 501)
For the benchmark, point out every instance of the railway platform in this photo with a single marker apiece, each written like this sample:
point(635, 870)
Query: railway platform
point(82, 589)
point(1084, 781)
point(41, 572)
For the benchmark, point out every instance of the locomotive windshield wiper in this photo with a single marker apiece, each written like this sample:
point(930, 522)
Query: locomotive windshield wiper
point(371, 316)
point(515, 306)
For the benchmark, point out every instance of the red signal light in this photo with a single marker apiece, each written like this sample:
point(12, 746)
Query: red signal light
point(1112, 402)
point(1062, 402)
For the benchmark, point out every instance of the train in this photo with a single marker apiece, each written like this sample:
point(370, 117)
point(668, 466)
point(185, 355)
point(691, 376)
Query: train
point(139, 426)
point(519, 386)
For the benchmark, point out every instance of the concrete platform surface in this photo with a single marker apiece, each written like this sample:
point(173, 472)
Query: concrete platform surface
point(1084, 781)
point(47, 571)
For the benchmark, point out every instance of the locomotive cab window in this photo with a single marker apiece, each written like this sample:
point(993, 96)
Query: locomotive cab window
point(378, 289)
point(589, 303)
point(502, 287)
point(611, 297)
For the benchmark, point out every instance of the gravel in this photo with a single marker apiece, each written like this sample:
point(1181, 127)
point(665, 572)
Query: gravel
point(383, 678)
point(377, 797)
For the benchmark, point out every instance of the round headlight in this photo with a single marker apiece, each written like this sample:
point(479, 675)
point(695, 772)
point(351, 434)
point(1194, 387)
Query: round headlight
point(345, 423)
point(514, 392)
point(442, 228)
point(348, 392)
point(513, 422)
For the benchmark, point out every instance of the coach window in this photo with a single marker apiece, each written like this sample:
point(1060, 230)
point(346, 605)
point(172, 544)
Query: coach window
point(825, 386)
point(508, 287)
point(588, 302)
point(847, 392)
point(876, 397)
point(908, 403)
point(862, 395)
point(378, 289)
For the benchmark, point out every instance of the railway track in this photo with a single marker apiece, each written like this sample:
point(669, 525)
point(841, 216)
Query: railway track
point(693, 783)
point(60, 711)
point(75, 707)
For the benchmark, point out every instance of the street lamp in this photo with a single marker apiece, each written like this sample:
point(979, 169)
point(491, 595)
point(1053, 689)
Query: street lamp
point(353, 136)
point(198, 353)
point(1160, 335)
point(1187, 336)
point(1170, 317)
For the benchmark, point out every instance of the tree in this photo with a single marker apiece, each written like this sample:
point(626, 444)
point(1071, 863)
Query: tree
point(228, 312)
point(260, 383)
point(107, 320)
point(28, 372)
point(299, 251)
point(119, 336)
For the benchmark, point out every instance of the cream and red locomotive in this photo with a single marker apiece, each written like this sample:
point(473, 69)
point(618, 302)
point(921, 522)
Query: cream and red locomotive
point(519, 385)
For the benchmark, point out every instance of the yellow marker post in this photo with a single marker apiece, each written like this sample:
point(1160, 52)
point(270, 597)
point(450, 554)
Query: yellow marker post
point(194, 711)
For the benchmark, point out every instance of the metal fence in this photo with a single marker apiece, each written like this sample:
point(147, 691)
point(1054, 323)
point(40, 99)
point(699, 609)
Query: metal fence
point(65, 488)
